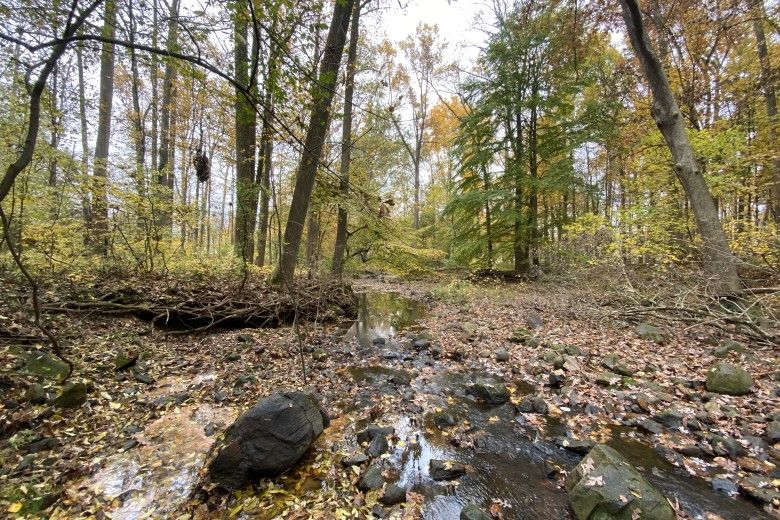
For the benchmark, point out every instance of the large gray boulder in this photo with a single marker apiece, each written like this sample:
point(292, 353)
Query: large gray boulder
point(268, 439)
point(725, 378)
point(46, 365)
point(604, 485)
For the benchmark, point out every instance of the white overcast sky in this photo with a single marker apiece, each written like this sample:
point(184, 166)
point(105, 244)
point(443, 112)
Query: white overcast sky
point(457, 21)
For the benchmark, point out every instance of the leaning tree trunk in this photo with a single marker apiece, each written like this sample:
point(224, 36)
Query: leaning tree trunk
point(322, 98)
point(100, 201)
point(719, 262)
point(346, 144)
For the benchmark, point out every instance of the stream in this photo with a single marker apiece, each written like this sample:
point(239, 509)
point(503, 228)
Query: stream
point(509, 460)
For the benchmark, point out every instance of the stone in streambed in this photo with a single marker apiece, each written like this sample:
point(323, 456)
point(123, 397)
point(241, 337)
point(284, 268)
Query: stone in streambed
point(371, 479)
point(268, 439)
point(650, 333)
point(472, 512)
point(605, 485)
point(394, 494)
point(725, 378)
point(35, 394)
point(490, 390)
point(773, 432)
point(46, 365)
point(446, 469)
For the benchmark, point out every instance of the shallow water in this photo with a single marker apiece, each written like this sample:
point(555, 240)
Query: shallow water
point(383, 315)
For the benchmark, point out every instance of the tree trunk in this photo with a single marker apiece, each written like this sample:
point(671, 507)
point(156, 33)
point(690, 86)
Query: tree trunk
point(246, 123)
point(86, 208)
point(165, 162)
point(346, 144)
point(139, 139)
point(768, 88)
point(719, 262)
point(322, 99)
point(100, 200)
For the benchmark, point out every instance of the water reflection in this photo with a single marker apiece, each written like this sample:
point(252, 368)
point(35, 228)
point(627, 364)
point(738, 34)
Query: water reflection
point(382, 315)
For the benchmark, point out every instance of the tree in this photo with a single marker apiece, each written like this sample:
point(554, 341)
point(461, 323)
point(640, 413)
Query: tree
point(346, 143)
point(246, 123)
point(322, 98)
point(165, 162)
point(100, 199)
point(424, 54)
point(719, 262)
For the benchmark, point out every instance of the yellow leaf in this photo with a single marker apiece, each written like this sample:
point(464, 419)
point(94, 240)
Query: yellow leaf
point(15, 507)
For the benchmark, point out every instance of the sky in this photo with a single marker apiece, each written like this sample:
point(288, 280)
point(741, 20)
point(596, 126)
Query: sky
point(457, 21)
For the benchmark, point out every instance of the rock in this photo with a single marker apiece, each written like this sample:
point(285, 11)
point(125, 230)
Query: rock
point(268, 439)
point(380, 341)
point(124, 360)
point(651, 426)
point(608, 379)
point(356, 459)
point(245, 338)
point(232, 356)
point(46, 444)
point(613, 363)
point(558, 362)
point(377, 446)
point(436, 351)
point(733, 447)
point(725, 378)
point(371, 479)
point(759, 488)
point(35, 394)
point(377, 511)
point(502, 355)
point(526, 405)
point(319, 355)
point(575, 445)
point(540, 406)
point(444, 420)
point(724, 485)
point(671, 418)
point(605, 485)
point(469, 328)
point(394, 494)
point(472, 512)
point(650, 333)
point(73, 395)
point(521, 335)
point(726, 347)
point(446, 469)
point(372, 430)
point(46, 365)
point(141, 376)
point(489, 390)
point(421, 344)
point(534, 320)
point(571, 364)
point(773, 432)
point(556, 380)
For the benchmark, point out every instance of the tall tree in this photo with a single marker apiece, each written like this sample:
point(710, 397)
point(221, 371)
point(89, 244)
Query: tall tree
point(322, 99)
point(346, 143)
point(768, 88)
point(245, 123)
point(165, 162)
point(100, 200)
point(720, 263)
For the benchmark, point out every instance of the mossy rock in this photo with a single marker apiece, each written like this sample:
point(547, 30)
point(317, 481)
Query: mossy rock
point(73, 395)
point(605, 486)
point(725, 378)
point(46, 365)
point(521, 335)
point(726, 347)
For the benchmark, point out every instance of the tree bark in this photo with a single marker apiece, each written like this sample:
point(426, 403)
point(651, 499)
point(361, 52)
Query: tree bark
point(165, 163)
point(768, 88)
point(139, 139)
point(346, 144)
point(246, 124)
point(100, 200)
point(719, 262)
point(322, 100)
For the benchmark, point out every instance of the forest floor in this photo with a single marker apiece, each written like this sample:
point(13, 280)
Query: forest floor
point(136, 447)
